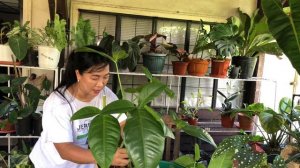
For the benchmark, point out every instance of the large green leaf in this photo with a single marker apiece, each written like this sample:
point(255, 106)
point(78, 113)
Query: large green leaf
point(4, 107)
point(144, 139)
point(199, 133)
point(271, 121)
point(149, 92)
point(4, 78)
point(224, 160)
point(18, 81)
point(6, 89)
point(246, 158)
point(19, 46)
point(118, 106)
point(285, 28)
point(86, 112)
point(285, 105)
point(167, 131)
point(104, 136)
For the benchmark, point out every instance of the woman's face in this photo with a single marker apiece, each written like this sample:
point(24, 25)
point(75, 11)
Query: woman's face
point(90, 83)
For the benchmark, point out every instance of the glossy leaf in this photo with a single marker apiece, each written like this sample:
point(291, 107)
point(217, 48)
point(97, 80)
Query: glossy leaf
point(4, 78)
point(6, 89)
point(147, 73)
point(103, 138)
point(19, 46)
point(285, 105)
point(285, 28)
point(18, 81)
point(118, 106)
point(86, 112)
point(167, 131)
point(224, 160)
point(271, 121)
point(144, 139)
point(199, 133)
point(149, 92)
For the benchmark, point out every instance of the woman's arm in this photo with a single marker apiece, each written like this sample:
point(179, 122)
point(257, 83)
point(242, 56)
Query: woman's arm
point(69, 151)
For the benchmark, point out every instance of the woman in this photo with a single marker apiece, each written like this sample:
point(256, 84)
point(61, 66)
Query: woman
point(63, 143)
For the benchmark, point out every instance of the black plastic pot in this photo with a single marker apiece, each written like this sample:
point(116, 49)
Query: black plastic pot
point(23, 126)
point(234, 72)
point(247, 65)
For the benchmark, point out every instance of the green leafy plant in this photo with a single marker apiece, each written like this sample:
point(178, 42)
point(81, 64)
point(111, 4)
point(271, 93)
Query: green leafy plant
point(149, 44)
point(83, 34)
point(192, 105)
point(190, 161)
point(254, 35)
point(285, 27)
point(54, 34)
point(144, 132)
point(228, 98)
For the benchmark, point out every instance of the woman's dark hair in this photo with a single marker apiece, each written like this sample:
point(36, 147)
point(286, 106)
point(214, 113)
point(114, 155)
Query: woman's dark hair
point(83, 62)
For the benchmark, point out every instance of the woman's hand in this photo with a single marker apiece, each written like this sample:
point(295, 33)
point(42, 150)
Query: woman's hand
point(120, 158)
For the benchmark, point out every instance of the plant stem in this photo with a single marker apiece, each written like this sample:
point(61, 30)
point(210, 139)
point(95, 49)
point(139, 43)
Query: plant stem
point(119, 79)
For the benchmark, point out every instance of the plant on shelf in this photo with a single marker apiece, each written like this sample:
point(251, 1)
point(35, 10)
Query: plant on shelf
point(227, 117)
point(224, 37)
point(179, 66)
point(255, 38)
point(285, 27)
point(199, 66)
point(18, 42)
point(52, 40)
point(191, 107)
point(131, 47)
point(22, 99)
point(83, 34)
point(154, 55)
point(144, 132)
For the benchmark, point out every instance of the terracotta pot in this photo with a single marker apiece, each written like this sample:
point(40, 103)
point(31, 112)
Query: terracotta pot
point(8, 127)
point(198, 67)
point(245, 122)
point(227, 121)
point(193, 121)
point(219, 68)
point(179, 67)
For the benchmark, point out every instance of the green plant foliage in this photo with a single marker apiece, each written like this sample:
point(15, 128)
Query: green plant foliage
point(271, 121)
point(232, 148)
point(285, 28)
point(278, 162)
point(246, 158)
point(83, 34)
point(144, 131)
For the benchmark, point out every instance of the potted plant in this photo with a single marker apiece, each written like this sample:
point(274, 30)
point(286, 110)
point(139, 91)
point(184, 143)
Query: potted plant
point(191, 107)
point(255, 38)
point(53, 40)
point(224, 37)
point(284, 27)
point(180, 66)
point(200, 56)
point(6, 53)
point(144, 132)
point(154, 55)
point(190, 161)
point(83, 34)
point(227, 117)
point(22, 98)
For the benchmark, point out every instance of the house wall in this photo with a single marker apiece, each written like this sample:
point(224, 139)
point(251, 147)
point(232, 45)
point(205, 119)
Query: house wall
point(37, 11)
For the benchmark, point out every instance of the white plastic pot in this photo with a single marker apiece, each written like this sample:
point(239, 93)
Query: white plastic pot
point(48, 57)
point(6, 54)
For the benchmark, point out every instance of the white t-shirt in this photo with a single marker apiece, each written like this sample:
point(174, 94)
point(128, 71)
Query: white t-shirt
point(57, 128)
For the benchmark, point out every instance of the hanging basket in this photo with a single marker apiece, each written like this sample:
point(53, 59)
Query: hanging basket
point(154, 62)
point(48, 57)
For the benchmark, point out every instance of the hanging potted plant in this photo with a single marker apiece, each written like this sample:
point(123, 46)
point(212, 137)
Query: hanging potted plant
point(52, 41)
point(200, 56)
